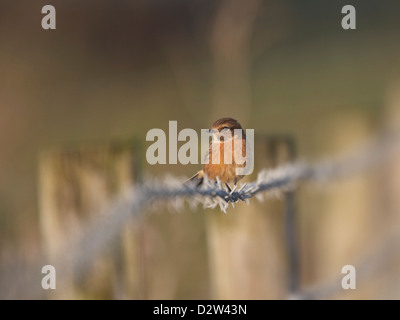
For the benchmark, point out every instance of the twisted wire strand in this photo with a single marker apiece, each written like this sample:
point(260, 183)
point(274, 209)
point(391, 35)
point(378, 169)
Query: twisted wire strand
point(281, 179)
point(105, 229)
point(100, 233)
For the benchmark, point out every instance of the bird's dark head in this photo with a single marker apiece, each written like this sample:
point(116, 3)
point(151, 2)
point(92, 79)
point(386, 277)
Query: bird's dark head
point(226, 124)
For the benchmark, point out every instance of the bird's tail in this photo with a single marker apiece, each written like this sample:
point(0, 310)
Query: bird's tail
point(196, 180)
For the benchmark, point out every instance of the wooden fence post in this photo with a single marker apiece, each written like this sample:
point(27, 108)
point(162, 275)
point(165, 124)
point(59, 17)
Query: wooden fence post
point(76, 184)
point(247, 250)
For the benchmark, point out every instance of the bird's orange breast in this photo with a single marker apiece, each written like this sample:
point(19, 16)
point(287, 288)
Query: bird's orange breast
point(218, 167)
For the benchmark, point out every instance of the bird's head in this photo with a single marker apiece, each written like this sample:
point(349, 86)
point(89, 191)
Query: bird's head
point(225, 126)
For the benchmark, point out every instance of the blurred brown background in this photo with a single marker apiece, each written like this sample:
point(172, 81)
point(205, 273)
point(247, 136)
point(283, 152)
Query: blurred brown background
point(111, 71)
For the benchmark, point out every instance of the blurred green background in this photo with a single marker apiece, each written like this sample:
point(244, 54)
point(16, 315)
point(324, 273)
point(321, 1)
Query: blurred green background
point(112, 70)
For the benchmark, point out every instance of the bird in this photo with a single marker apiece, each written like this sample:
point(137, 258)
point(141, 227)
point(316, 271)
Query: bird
point(226, 172)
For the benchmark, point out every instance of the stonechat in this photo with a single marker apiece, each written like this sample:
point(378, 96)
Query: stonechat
point(227, 134)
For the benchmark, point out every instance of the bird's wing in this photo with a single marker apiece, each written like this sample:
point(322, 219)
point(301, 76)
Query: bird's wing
point(197, 179)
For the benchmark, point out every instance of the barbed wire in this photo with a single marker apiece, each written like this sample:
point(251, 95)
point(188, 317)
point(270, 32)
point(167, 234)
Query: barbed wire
point(79, 253)
point(272, 182)
point(278, 180)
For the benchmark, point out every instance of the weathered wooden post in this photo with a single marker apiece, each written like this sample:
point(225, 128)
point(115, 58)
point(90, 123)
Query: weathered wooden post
point(247, 249)
point(75, 185)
